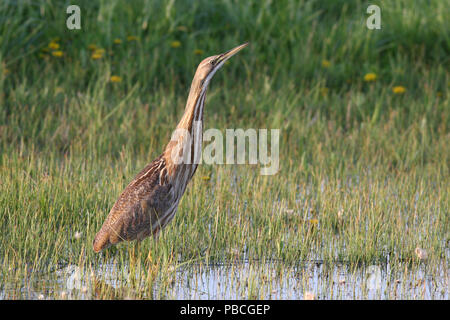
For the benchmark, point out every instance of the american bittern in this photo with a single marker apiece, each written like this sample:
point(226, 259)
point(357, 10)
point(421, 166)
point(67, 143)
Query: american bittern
point(151, 200)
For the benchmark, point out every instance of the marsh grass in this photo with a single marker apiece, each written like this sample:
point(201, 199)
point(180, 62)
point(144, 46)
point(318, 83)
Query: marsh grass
point(363, 178)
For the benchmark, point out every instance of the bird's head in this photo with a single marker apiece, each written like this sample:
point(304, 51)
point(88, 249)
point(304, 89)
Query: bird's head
point(209, 66)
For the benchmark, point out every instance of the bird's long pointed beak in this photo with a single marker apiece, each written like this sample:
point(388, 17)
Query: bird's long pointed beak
point(227, 55)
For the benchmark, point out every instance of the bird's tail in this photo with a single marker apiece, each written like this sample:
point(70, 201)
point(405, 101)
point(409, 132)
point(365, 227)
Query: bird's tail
point(101, 241)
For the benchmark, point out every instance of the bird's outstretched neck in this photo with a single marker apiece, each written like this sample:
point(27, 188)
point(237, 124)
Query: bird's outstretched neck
point(183, 151)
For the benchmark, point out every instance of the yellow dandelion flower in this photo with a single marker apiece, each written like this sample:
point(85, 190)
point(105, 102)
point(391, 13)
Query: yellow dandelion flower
point(206, 178)
point(398, 89)
point(99, 51)
point(115, 79)
point(198, 52)
point(57, 54)
point(92, 46)
point(175, 44)
point(96, 56)
point(370, 77)
point(313, 222)
point(53, 45)
point(132, 38)
point(117, 41)
point(326, 63)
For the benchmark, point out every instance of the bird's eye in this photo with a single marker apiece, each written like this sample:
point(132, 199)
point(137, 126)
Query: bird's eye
point(213, 62)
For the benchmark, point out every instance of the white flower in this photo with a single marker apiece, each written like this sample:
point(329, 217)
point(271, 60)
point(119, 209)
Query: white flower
point(422, 254)
point(309, 296)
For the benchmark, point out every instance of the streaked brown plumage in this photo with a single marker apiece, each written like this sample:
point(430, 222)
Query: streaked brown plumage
point(151, 200)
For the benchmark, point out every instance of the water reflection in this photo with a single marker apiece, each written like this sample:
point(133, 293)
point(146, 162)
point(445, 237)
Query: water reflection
point(241, 280)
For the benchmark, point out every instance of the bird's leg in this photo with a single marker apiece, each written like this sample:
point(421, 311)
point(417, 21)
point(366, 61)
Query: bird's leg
point(171, 257)
point(133, 260)
point(155, 237)
point(149, 257)
point(152, 265)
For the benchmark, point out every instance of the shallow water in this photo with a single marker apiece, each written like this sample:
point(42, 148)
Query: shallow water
point(243, 280)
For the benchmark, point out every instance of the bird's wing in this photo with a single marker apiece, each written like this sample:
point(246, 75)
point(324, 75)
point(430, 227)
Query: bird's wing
point(136, 213)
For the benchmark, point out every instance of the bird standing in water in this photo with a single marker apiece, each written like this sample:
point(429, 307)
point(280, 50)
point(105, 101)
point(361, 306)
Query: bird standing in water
point(151, 200)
